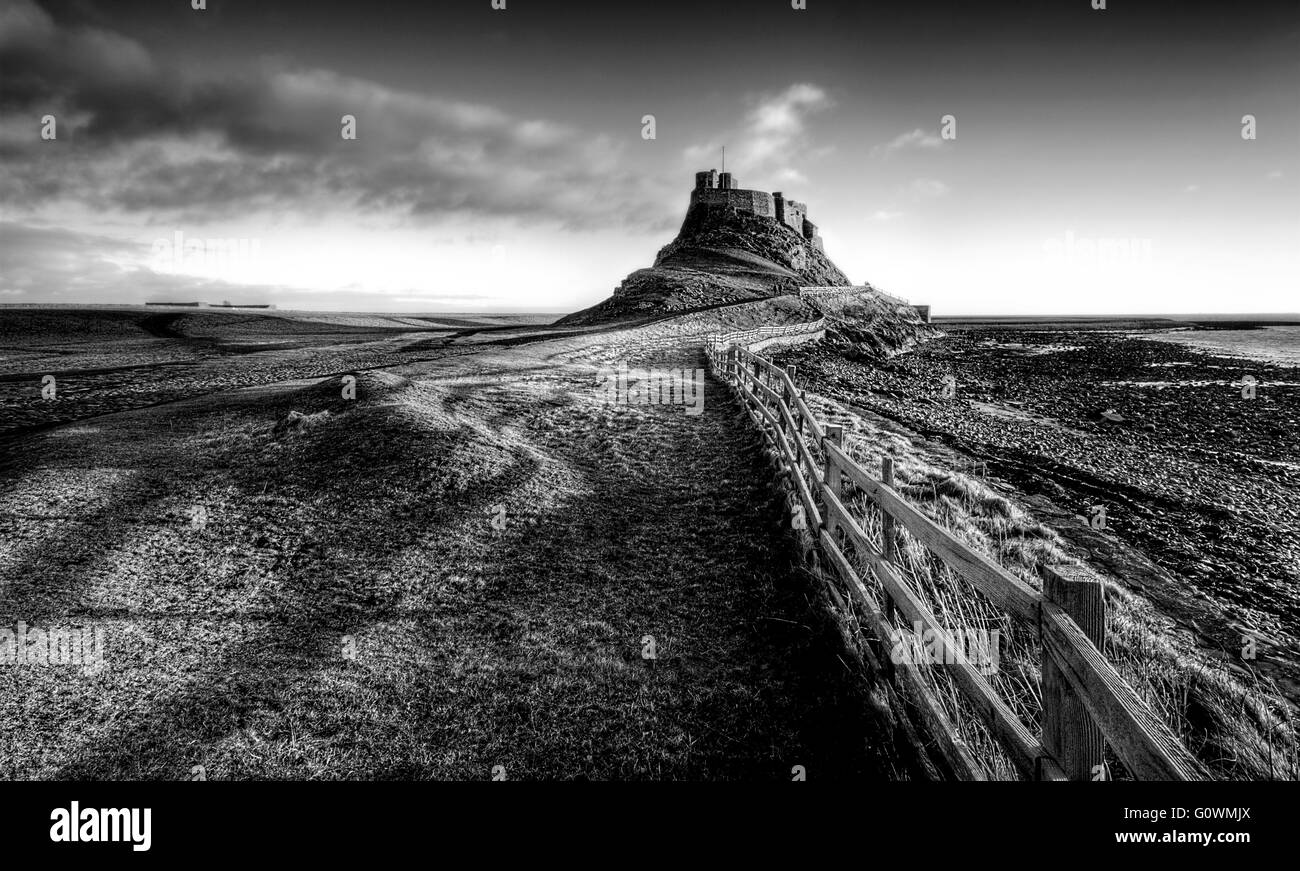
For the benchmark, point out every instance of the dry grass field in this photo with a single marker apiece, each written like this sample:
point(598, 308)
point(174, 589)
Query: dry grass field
point(454, 571)
point(456, 566)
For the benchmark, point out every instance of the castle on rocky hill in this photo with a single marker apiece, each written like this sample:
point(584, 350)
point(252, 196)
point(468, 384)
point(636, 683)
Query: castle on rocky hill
point(722, 190)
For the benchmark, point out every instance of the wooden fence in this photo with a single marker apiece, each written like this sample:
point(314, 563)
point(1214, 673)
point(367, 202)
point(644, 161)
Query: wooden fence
point(1084, 700)
point(760, 336)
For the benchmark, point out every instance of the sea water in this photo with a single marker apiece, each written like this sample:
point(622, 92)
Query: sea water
point(1278, 345)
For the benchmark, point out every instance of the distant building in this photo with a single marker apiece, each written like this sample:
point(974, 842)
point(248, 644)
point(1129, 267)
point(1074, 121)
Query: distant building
point(714, 189)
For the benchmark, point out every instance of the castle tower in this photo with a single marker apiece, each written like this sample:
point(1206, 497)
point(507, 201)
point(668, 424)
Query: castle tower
point(790, 212)
point(810, 233)
point(714, 190)
point(706, 180)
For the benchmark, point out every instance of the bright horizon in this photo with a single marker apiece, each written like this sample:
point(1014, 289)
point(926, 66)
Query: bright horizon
point(1261, 317)
point(1098, 167)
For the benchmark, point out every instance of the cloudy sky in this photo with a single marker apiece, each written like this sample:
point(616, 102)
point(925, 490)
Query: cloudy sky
point(1099, 163)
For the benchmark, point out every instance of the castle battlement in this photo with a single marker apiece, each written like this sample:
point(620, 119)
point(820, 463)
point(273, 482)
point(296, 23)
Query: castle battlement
point(715, 189)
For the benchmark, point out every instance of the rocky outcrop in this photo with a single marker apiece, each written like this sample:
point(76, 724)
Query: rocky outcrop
point(721, 255)
point(860, 323)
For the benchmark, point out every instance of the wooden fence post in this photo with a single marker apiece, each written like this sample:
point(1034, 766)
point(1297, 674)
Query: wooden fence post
point(887, 546)
point(789, 393)
point(1069, 734)
point(831, 474)
point(777, 416)
point(886, 520)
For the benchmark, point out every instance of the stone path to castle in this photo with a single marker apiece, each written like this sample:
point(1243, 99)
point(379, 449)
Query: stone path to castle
point(346, 609)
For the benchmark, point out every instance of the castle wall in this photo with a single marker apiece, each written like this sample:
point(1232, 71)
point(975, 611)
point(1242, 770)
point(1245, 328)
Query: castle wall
point(754, 202)
point(794, 216)
point(790, 212)
point(810, 233)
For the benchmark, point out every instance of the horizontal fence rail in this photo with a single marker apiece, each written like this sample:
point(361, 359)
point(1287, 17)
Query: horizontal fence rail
point(760, 335)
point(1084, 700)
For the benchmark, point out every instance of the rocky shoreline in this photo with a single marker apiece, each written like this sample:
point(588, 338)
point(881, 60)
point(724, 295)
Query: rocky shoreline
point(1200, 484)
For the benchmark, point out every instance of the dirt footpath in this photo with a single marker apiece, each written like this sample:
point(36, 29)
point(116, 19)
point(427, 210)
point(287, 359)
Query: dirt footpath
point(459, 574)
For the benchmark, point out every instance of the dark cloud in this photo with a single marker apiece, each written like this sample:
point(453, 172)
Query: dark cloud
point(138, 136)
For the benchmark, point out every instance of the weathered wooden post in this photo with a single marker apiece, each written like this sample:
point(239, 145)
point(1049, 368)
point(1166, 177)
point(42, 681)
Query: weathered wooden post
point(1069, 734)
point(888, 548)
point(777, 416)
point(790, 394)
point(791, 401)
point(831, 474)
point(886, 519)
